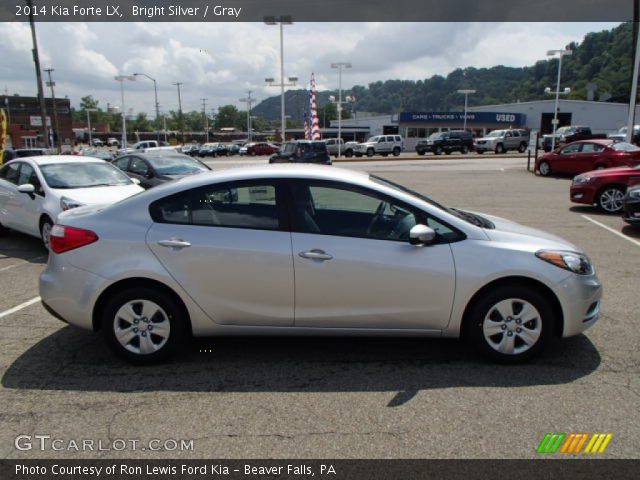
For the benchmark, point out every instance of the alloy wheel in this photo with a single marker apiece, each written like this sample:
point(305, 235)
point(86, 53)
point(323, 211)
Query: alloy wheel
point(611, 200)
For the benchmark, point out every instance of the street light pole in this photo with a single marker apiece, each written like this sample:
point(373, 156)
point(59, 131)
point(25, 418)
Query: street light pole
point(121, 79)
point(88, 110)
point(36, 61)
point(248, 100)
point(466, 93)
point(51, 84)
point(177, 84)
point(155, 93)
point(340, 66)
point(560, 53)
point(281, 21)
point(205, 119)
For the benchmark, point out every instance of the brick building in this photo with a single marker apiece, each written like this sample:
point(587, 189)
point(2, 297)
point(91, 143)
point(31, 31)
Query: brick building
point(25, 121)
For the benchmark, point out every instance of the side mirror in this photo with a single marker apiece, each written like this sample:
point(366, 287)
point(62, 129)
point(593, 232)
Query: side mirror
point(27, 188)
point(136, 181)
point(421, 235)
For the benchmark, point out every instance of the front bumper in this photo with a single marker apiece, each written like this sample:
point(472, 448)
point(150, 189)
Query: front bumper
point(580, 297)
point(582, 194)
point(631, 213)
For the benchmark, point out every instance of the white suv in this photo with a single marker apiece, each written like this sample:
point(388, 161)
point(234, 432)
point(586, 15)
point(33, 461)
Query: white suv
point(380, 145)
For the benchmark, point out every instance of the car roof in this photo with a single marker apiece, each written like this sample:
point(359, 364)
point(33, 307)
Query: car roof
point(600, 141)
point(50, 159)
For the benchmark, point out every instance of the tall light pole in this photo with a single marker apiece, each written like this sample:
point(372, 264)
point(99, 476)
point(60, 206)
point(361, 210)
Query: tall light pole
point(178, 84)
point(155, 93)
point(121, 79)
point(560, 53)
point(36, 61)
point(340, 66)
point(634, 89)
point(205, 119)
point(248, 100)
point(52, 84)
point(88, 110)
point(466, 93)
point(281, 21)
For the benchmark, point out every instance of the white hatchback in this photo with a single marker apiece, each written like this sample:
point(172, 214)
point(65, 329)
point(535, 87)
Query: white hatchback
point(34, 190)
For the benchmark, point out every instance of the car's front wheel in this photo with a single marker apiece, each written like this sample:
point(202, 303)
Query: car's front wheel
point(545, 169)
point(611, 199)
point(143, 326)
point(46, 224)
point(510, 324)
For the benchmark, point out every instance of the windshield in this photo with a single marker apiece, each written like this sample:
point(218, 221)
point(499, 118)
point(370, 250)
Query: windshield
point(373, 139)
point(176, 165)
point(287, 148)
point(624, 147)
point(496, 133)
point(471, 218)
point(83, 175)
point(564, 130)
point(436, 136)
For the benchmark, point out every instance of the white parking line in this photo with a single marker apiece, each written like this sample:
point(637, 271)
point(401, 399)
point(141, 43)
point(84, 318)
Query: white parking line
point(19, 307)
point(9, 267)
point(615, 232)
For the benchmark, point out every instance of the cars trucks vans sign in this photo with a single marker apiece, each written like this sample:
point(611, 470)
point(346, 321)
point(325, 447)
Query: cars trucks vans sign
point(479, 118)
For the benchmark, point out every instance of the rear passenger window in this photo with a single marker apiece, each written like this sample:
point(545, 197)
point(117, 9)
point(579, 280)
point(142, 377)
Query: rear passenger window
point(229, 205)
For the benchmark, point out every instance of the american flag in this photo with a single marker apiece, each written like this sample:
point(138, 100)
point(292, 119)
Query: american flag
point(315, 122)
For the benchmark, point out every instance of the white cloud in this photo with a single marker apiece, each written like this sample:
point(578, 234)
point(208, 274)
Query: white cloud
point(220, 61)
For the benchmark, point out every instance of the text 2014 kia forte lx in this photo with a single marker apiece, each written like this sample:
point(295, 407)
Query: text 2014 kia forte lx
point(310, 250)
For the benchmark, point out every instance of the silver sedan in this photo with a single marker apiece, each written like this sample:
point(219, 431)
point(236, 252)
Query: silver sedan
point(310, 250)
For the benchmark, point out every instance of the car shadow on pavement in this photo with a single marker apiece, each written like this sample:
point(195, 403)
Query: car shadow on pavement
point(75, 360)
point(632, 231)
point(23, 247)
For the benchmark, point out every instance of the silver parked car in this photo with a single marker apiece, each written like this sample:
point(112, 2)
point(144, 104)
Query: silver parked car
point(310, 250)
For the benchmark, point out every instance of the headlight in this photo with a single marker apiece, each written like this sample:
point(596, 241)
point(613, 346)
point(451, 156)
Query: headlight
point(635, 194)
point(572, 261)
point(581, 180)
point(67, 203)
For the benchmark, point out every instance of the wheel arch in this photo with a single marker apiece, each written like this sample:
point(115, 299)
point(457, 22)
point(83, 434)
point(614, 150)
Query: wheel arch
point(520, 281)
point(136, 282)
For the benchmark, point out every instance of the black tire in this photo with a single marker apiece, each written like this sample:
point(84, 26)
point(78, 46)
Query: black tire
point(500, 149)
point(3, 230)
point(610, 199)
point(438, 150)
point(370, 152)
point(253, 153)
point(348, 153)
point(484, 311)
point(175, 316)
point(45, 228)
point(396, 151)
point(464, 150)
point(522, 148)
point(479, 152)
point(447, 152)
point(544, 168)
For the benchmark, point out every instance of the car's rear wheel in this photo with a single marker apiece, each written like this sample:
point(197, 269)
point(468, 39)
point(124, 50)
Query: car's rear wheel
point(144, 326)
point(522, 147)
point(544, 168)
point(348, 153)
point(510, 324)
point(438, 151)
point(396, 152)
point(611, 199)
point(46, 224)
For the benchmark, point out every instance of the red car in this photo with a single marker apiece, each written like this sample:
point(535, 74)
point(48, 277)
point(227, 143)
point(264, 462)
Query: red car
point(587, 155)
point(254, 149)
point(604, 188)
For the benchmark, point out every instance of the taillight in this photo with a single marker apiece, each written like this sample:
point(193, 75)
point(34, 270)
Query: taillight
point(63, 238)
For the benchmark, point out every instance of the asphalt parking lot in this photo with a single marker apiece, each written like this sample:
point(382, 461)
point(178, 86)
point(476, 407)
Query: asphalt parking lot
point(339, 398)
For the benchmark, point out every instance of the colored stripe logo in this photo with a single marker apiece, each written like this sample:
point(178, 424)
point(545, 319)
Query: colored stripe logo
point(573, 443)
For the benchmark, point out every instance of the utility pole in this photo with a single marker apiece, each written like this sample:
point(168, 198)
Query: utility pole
point(36, 60)
point(52, 84)
point(205, 119)
point(181, 119)
point(248, 100)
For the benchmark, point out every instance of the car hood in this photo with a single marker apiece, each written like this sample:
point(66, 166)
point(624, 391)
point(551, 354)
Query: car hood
point(530, 238)
point(101, 195)
point(487, 139)
point(607, 172)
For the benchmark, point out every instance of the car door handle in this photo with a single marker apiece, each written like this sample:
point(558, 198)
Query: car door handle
point(174, 243)
point(316, 254)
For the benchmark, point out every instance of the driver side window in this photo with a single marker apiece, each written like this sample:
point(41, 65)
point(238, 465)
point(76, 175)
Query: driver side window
point(341, 210)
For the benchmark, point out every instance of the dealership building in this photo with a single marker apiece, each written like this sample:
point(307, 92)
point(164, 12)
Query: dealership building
point(536, 116)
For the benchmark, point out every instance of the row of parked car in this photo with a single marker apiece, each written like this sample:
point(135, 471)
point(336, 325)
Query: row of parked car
point(607, 174)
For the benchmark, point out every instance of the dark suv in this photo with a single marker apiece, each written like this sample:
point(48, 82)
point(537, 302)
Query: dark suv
point(446, 142)
point(302, 151)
